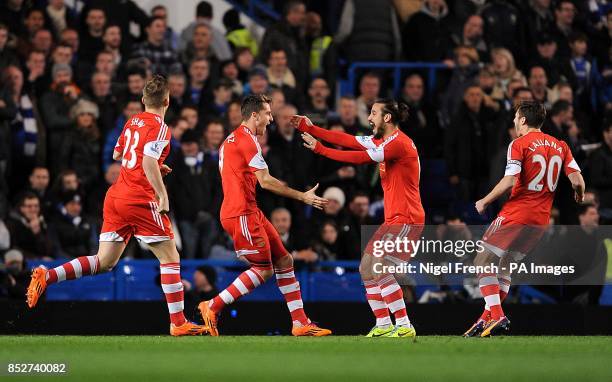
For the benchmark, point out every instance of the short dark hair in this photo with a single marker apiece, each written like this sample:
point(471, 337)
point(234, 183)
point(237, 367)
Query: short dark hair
point(559, 107)
point(577, 36)
point(136, 70)
point(159, 6)
point(151, 20)
point(583, 208)
point(3, 27)
point(253, 104)
point(560, 4)
point(204, 9)
point(534, 113)
point(521, 89)
point(397, 110)
point(155, 91)
point(25, 195)
point(290, 5)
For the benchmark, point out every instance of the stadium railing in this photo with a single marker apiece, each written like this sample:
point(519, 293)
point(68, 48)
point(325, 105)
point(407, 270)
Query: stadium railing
point(257, 10)
point(348, 85)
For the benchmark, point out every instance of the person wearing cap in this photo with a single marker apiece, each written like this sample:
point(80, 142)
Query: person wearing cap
point(16, 277)
point(55, 107)
point(72, 232)
point(195, 189)
point(81, 147)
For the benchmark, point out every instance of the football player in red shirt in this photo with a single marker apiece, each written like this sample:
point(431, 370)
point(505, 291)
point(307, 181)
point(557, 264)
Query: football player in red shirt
point(400, 170)
point(136, 205)
point(534, 164)
point(242, 166)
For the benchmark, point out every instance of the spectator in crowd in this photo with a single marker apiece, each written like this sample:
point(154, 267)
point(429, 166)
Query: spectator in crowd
point(472, 36)
point(565, 13)
point(369, 89)
point(258, 81)
point(332, 210)
point(468, 145)
point(72, 232)
point(204, 287)
point(288, 33)
point(136, 77)
point(66, 181)
point(538, 20)
point(214, 134)
point(12, 14)
point(585, 70)
point(170, 36)
point(80, 148)
point(177, 86)
point(238, 36)
point(295, 245)
point(194, 187)
point(60, 17)
point(323, 51)
point(505, 68)
point(34, 21)
point(28, 228)
point(192, 116)
point(70, 36)
point(7, 54)
point(158, 55)
point(199, 90)
point(125, 13)
point(233, 117)
point(204, 14)
point(17, 277)
point(546, 57)
point(36, 81)
point(317, 108)
point(347, 111)
point(465, 72)
point(112, 43)
point(27, 131)
point(600, 173)
point(229, 71)
point(425, 36)
point(245, 61)
point(279, 75)
point(132, 107)
point(559, 118)
point(504, 27)
point(422, 122)
point(357, 217)
point(55, 107)
point(39, 185)
point(101, 94)
point(200, 46)
point(41, 41)
point(329, 245)
point(221, 97)
point(90, 41)
point(538, 83)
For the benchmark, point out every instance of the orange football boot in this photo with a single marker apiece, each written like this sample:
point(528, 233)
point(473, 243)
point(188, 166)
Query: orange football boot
point(311, 330)
point(37, 286)
point(188, 329)
point(209, 317)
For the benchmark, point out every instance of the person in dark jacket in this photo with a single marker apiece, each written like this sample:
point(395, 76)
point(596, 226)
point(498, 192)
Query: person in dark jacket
point(194, 187)
point(70, 229)
point(600, 173)
point(425, 36)
point(289, 34)
point(28, 228)
point(467, 147)
point(81, 147)
point(368, 31)
point(503, 28)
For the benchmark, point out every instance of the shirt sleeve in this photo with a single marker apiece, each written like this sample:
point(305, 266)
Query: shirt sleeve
point(569, 163)
point(156, 140)
point(387, 151)
point(514, 159)
point(253, 156)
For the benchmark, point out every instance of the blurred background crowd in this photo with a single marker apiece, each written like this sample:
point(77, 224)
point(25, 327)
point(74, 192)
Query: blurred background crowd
point(72, 73)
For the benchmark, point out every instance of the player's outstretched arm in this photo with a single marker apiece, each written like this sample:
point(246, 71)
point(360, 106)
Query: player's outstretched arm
point(578, 185)
point(270, 183)
point(501, 188)
point(338, 138)
point(154, 176)
point(355, 157)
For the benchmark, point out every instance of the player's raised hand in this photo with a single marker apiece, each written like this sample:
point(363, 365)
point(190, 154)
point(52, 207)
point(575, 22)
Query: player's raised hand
point(296, 120)
point(164, 205)
point(312, 199)
point(310, 142)
point(165, 169)
point(481, 207)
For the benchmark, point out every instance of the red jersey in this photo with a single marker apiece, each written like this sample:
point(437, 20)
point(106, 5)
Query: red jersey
point(239, 157)
point(400, 172)
point(536, 160)
point(143, 134)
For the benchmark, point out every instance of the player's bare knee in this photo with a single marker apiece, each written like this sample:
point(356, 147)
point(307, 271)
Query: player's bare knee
point(265, 273)
point(284, 262)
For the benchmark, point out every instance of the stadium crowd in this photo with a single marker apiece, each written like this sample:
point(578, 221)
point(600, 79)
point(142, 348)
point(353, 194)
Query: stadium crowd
point(70, 79)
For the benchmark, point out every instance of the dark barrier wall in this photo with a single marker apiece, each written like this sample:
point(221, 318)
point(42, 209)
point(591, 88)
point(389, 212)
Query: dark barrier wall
point(111, 318)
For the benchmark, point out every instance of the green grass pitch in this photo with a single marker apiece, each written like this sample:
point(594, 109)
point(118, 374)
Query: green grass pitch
point(340, 358)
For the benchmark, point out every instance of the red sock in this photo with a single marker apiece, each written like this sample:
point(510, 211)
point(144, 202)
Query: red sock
point(173, 289)
point(245, 283)
point(504, 287)
point(394, 298)
point(377, 304)
point(290, 288)
point(74, 269)
point(489, 287)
